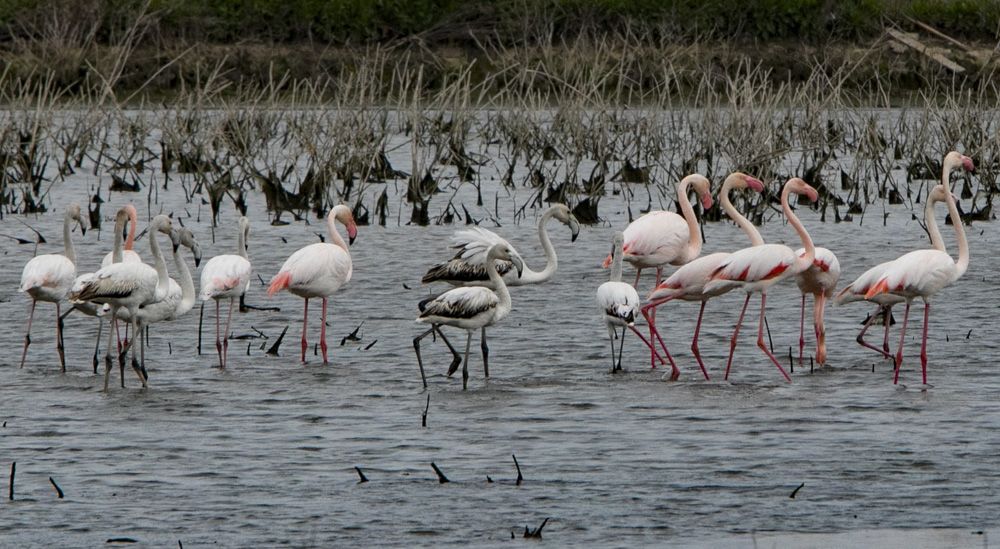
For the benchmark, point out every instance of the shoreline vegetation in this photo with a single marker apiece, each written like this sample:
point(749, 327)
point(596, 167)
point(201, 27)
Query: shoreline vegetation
point(567, 100)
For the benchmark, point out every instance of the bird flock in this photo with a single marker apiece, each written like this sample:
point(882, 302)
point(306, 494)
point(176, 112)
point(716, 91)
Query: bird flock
point(485, 266)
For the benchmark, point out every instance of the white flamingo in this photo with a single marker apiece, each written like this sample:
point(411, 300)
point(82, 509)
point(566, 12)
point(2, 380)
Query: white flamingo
point(123, 250)
point(619, 303)
point(469, 308)
point(130, 286)
point(468, 267)
point(49, 278)
point(856, 290)
point(688, 282)
point(227, 277)
point(319, 270)
point(180, 296)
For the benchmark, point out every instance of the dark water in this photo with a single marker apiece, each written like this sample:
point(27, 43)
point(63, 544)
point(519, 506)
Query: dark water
point(263, 453)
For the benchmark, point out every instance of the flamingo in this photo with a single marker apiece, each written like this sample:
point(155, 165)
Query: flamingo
point(227, 277)
point(124, 251)
point(469, 308)
point(923, 273)
point(179, 298)
point(129, 286)
point(688, 282)
point(820, 280)
point(757, 268)
point(659, 237)
point(468, 267)
point(619, 302)
point(319, 270)
point(856, 290)
point(49, 277)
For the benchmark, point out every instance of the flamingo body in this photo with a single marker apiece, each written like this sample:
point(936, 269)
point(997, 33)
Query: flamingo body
point(317, 270)
point(467, 308)
point(619, 302)
point(48, 277)
point(225, 276)
point(656, 239)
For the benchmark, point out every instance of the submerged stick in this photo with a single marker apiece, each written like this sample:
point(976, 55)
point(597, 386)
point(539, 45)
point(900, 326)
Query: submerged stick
point(273, 351)
point(361, 475)
point(423, 417)
point(796, 491)
point(59, 491)
point(10, 489)
point(520, 478)
point(441, 478)
point(201, 318)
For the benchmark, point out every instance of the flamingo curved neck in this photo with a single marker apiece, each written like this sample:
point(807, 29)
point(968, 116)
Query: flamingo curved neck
point(616, 263)
point(741, 220)
point(963, 245)
point(130, 242)
point(242, 243)
point(805, 260)
point(186, 282)
point(937, 242)
point(498, 284)
point(334, 234)
point(117, 254)
point(162, 278)
point(69, 251)
point(551, 261)
point(694, 240)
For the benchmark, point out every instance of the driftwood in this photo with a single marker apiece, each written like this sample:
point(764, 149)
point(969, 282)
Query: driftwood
point(909, 40)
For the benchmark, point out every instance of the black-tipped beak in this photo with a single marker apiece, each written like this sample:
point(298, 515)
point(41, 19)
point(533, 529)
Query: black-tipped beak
point(83, 229)
point(197, 261)
point(350, 240)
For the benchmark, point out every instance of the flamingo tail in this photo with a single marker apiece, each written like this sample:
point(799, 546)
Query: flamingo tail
point(279, 282)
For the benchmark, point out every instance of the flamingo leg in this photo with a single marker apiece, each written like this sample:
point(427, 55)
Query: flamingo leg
point(736, 336)
point(644, 340)
point(923, 345)
point(902, 337)
point(322, 333)
point(861, 335)
point(465, 365)
point(674, 372)
point(456, 357)
point(416, 348)
point(139, 369)
point(486, 352)
point(819, 313)
point(225, 335)
point(218, 340)
point(612, 335)
point(305, 323)
point(111, 345)
point(659, 276)
point(638, 272)
point(130, 345)
point(887, 320)
point(97, 344)
point(694, 341)
point(760, 338)
point(27, 336)
point(621, 347)
point(651, 321)
point(60, 348)
point(802, 328)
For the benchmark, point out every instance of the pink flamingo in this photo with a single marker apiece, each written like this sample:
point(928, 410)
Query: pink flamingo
point(856, 290)
point(660, 237)
point(688, 282)
point(319, 270)
point(757, 268)
point(227, 276)
point(923, 273)
point(820, 280)
point(49, 277)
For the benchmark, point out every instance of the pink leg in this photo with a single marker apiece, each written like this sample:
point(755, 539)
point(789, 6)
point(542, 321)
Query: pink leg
point(694, 341)
point(760, 338)
point(923, 346)
point(652, 328)
point(861, 335)
point(218, 340)
point(118, 333)
point(802, 328)
point(885, 338)
point(638, 271)
point(27, 336)
point(819, 313)
point(648, 344)
point(305, 323)
point(736, 337)
point(322, 334)
point(675, 373)
point(59, 343)
point(225, 335)
point(659, 274)
point(899, 352)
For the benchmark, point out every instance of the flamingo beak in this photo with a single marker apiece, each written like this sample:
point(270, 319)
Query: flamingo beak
point(755, 184)
point(518, 264)
point(968, 165)
point(574, 227)
point(352, 233)
point(83, 229)
point(706, 201)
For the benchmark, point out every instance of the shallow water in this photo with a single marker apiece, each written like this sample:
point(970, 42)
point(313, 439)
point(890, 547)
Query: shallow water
point(263, 453)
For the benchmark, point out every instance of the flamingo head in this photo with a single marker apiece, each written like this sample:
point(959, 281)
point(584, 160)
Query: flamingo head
point(505, 253)
point(703, 187)
point(617, 244)
point(800, 187)
point(184, 237)
point(968, 164)
point(344, 215)
point(133, 219)
point(566, 217)
point(73, 213)
point(163, 224)
point(245, 231)
point(753, 183)
point(740, 180)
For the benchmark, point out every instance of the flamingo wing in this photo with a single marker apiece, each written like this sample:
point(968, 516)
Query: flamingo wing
point(459, 303)
point(128, 256)
point(319, 263)
point(52, 272)
point(918, 273)
point(225, 273)
point(657, 232)
point(117, 281)
point(756, 264)
point(469, 261)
